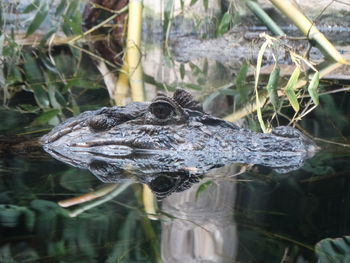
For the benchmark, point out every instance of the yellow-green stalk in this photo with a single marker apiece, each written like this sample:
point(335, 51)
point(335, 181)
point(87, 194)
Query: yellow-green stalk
point(133, 52)
point(149, 202)
point(309, 29)
point(122, 89)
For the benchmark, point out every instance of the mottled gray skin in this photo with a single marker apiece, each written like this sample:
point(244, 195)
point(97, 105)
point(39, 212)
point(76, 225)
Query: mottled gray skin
point(168, 135)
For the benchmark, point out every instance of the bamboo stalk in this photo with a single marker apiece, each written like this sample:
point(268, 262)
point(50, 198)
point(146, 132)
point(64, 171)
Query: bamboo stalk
point(265, 18)
point(149, 201)
point(134, 50)
point(308, 28)
point(122, 89)
point(148, 228)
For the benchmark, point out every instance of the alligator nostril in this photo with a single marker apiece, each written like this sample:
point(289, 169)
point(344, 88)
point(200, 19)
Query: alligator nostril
point(101, 123)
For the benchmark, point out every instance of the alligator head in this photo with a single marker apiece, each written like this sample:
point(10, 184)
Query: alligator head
point(168, 135)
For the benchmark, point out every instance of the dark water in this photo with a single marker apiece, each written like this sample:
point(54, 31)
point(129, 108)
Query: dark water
point(256, 215)
point(236, 213)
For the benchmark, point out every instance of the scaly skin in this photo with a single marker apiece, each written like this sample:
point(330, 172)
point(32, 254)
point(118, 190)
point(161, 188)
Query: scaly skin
point(168, 135)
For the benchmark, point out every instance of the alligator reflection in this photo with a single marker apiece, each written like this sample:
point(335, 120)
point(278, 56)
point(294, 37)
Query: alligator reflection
point(170, 140)
point(165, 173)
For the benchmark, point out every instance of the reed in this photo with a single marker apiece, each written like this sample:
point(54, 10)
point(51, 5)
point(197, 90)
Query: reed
point(309, 29)
point(133, 50)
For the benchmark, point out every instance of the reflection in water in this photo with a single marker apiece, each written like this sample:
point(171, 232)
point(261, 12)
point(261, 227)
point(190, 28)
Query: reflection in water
point(258, 218)
point(170, 135)
point(168, 144)
point(266, 218)
point(203, 228)
point(287, 215)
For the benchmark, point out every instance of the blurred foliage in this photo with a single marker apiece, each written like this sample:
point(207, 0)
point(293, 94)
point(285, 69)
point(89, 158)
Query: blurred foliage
point(284, 216)
point(42, 84)
point(33, 228)
point(333, 250)
point(47, 82)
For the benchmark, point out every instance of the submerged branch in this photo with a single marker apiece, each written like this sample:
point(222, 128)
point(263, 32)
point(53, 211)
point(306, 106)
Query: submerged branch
point(87, 197)
point(118, 190)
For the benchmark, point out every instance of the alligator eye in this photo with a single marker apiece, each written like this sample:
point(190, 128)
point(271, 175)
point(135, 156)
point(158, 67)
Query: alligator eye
point(161, 109)
point(101, 123)
point(163, 186)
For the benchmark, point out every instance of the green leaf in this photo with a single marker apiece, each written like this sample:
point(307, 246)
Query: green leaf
point(2, 75)
point(224, 24)
point(13, 75)
point(52, 97)
point(195, 69)
point(32, 70)
point(167, 15)
point(31, 7)
point(203, 187)
point(72, 19)
point(272, 87)
point(75, 106)
point(47, 217)
point(182, 71)
point(201, 81)
point(193, 86)
point(29, 108)
point(205, 4)
point(60, 98)
point(45, 206)
point(1, 20)
point(228, 92)
point(236, 19)
point(39, 18)
point(35, 80)
point(29, 218)
point(45, 117)
point(335, 250)
point(182, 3)
point(312, 88)
point(240, 81)
point(168, 8)
point(10, 215)
point(289, 89)
point(60, 8)
point(209, 99)
point(47, 36)
point(72, 8)
point(48, 64)
point(76, 181)
point(72, 25)
point(193, 2)
point(205, 67)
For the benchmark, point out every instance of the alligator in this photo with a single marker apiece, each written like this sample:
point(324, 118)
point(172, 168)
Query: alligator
point(172, 136)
